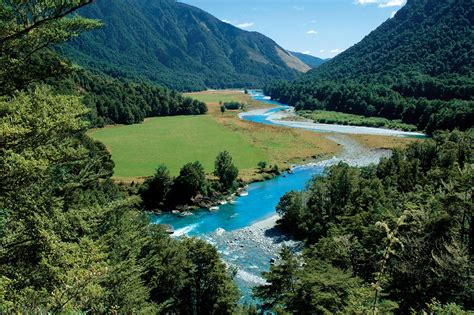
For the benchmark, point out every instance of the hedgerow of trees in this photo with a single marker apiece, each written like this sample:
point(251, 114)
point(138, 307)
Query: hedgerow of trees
point(163, 192)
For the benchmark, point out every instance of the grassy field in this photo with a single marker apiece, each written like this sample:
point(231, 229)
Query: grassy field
point(174, 141)
point(219, 96)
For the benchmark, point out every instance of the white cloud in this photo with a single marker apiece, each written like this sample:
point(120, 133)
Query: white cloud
point(322, 51)
point(313, 21)
point(245, 25)
point(382, 3)
point(226, 21)
point(392, 3)
point(393, 14)
point(312, 32)
point(366, 1)
point(306, 52)
point(335, 51)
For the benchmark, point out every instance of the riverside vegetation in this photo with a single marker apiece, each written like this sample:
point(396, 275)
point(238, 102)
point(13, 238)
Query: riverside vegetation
point(328, 117)
point(396, 237)
point(191, 187)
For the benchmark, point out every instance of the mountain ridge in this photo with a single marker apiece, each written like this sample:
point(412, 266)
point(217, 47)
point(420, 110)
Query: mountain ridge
point(393, 46)
point(310, 60)
point(178, 46)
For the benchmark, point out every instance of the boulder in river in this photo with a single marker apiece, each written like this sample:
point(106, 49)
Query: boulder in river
point(168, 228)
point(219, 231)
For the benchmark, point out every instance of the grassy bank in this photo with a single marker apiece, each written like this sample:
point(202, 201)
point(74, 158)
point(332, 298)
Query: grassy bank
point(328, 117)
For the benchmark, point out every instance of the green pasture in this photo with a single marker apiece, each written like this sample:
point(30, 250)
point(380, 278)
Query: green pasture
point(174, 141)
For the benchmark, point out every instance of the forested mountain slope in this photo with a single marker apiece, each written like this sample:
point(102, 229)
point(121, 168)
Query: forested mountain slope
point(119, 101)
point(179, 46)
point(311, 61)
point(417, 66)
point(428, 37)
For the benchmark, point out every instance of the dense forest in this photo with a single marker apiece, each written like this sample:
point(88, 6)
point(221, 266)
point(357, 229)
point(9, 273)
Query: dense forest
point(71, 240)
point(178, 46)
point(417, 67)
point(115, 101)
point(394, 237)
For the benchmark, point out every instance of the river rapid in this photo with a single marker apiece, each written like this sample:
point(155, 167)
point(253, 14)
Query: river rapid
point(243, 230)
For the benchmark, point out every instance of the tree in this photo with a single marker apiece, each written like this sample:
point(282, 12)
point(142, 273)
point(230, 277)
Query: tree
point(281, 281)
point(291, 210)
point(190, 182)
point(155, 189)
point(27, 30)
point(262, 165)
point(225, 170)
point(209, 288)
point(422, 197)
point(48, 168)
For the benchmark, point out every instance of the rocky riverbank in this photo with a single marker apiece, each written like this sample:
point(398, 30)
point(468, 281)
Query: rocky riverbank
point(250, 250)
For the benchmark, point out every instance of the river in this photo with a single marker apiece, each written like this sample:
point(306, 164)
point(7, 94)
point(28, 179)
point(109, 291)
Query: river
point(243, 230)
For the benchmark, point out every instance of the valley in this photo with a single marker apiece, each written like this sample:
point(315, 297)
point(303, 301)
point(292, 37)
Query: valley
point(156, 158)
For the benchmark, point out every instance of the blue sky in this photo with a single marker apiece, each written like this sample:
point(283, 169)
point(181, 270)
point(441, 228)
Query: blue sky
point(321, 28)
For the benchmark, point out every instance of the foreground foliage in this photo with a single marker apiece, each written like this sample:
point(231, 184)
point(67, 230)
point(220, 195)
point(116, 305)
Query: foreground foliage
point(71, 240)
point(405, 226)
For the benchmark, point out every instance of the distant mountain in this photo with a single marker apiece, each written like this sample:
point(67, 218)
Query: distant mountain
point(179, 46)
point(417, 67)
point(311, 61)
point(428, 37)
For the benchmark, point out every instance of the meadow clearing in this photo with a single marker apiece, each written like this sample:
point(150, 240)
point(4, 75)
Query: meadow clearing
point(174, 141)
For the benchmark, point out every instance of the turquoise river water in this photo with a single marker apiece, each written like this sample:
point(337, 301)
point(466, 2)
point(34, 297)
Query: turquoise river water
point(234, 228)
